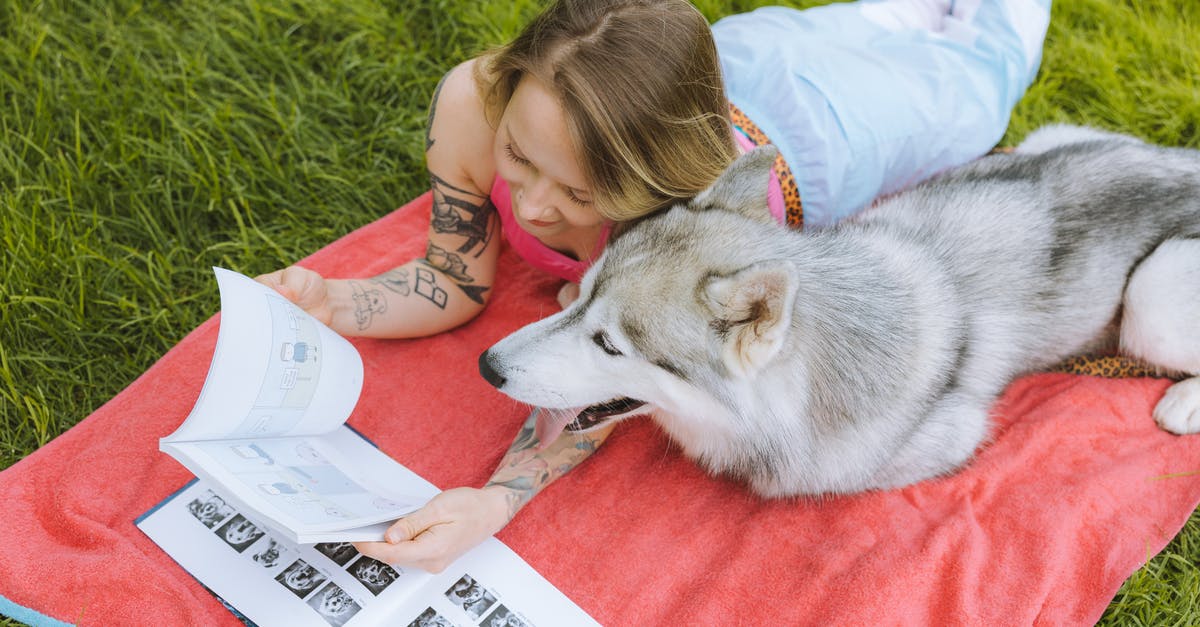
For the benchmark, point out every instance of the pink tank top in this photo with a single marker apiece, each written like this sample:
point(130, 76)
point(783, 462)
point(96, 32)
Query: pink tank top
point(531, 249)
point(544, 258)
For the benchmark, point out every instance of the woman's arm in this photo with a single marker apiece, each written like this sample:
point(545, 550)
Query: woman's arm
point(457, 520)
point(525, 470)
point(452, 282)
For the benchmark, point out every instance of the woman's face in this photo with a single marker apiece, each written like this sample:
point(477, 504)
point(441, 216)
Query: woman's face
point(533, 154)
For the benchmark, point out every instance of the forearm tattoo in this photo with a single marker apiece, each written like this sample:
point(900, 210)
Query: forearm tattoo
point(394, 280)
point(454, 267)
point(367, 303)
point(525, 470)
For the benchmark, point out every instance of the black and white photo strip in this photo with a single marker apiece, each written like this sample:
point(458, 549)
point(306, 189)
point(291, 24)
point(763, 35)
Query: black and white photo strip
point(209, 509)
point(334, 604)
point(475, 600)
point(504, 617)
point(430, 618)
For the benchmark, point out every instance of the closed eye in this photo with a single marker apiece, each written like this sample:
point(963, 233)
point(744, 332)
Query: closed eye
point(600, 338)
point(512, 154)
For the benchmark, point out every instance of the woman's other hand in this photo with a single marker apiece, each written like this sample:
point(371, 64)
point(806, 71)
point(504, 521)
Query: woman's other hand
point(449, 525)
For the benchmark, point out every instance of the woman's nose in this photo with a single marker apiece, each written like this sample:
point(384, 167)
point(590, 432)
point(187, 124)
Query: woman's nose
point(535, 199)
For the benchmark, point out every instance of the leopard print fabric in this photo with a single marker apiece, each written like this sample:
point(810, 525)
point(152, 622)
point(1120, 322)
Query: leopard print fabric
point(1109, 366)
point(787, 182)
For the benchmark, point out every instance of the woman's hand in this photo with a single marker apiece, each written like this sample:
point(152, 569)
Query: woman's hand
point(304, 287)
point(449, 525)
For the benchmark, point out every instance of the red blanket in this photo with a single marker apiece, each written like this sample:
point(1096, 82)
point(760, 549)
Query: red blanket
point(1077, 489)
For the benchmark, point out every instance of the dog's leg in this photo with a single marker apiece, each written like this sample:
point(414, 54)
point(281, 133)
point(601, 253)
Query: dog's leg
point(1161, 325)
point(945, 439)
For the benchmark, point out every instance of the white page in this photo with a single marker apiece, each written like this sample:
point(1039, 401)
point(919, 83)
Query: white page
point(490, 585)
point(276, 370)
point(274, 582)
point(309, 487)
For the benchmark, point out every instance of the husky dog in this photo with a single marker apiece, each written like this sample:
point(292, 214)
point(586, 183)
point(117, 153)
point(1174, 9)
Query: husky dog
point(868, 355)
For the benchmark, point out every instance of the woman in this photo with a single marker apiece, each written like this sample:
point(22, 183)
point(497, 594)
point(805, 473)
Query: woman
point(603, 111)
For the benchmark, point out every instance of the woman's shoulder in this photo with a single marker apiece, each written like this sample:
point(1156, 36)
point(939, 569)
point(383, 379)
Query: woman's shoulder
point(459, 138)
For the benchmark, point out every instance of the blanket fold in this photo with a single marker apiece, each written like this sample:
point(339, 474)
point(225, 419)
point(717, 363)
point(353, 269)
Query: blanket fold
point(1075, 490)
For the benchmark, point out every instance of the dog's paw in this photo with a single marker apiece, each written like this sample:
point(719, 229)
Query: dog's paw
point(1179, 409)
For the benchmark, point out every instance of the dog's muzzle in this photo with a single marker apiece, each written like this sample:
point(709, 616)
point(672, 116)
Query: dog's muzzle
point(586, 419)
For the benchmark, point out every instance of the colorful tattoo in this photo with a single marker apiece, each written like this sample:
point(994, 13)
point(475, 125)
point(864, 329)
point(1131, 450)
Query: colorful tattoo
point(524, 471)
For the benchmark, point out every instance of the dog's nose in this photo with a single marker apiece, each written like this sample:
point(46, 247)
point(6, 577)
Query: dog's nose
point(489, 373)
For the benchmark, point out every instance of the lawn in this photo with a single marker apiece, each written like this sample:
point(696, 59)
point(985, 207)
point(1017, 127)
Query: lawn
point(144, 143)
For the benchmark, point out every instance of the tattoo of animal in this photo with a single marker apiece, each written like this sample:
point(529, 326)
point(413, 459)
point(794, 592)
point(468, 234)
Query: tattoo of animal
point(367, 303)
point(467, 217)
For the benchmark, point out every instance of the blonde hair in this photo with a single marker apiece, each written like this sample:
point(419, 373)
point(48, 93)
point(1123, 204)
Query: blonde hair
point(640, 84)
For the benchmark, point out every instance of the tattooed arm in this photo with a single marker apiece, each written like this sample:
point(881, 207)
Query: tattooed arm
point(457, 520)
point(525, 470)
point(451, 283)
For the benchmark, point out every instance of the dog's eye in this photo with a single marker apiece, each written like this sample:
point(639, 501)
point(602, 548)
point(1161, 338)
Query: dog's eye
point(601, 339)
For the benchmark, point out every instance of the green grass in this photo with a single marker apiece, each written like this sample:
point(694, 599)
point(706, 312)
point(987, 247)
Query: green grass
point(144, 143)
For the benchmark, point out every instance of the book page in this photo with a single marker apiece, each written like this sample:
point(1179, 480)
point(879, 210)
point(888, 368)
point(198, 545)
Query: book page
point(276, 371)
point(489, 586)
point(272, 581)
point(335, 486)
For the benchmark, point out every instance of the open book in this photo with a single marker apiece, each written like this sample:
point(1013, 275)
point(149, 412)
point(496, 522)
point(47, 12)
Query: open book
point(269, 427)
point(278, 469)
point(269, 580)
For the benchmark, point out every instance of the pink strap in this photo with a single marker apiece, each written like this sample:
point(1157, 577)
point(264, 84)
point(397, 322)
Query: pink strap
point(774, 190)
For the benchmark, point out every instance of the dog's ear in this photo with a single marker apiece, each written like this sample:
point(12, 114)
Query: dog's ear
point(742, 187)
point(751, 312)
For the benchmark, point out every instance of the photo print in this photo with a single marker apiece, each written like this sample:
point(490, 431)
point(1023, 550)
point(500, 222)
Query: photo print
point(373, 574)
point(239, 533)
point(301, 578)
point(430, 618)
point(473, 598)
point(334, 605)
point(339, 552)
point(270, 553)
point(209, 509)
point(503, 617)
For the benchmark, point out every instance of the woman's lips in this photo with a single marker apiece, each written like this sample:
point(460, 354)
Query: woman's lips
point(542, 223)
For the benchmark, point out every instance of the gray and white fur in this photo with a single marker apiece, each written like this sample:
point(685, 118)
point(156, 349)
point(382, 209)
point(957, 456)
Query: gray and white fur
point(868, 355)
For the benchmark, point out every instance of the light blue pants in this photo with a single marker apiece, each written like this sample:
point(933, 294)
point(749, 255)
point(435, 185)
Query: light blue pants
point(868, 97)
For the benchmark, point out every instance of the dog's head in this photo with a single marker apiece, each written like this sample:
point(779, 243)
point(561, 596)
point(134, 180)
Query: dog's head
point(681, 308)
